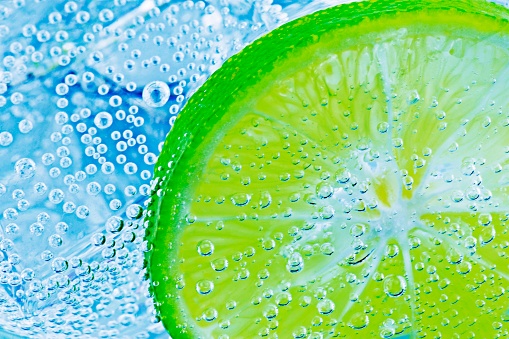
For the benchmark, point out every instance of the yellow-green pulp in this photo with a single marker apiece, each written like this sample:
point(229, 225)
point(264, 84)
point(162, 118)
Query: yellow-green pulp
point(344, 176)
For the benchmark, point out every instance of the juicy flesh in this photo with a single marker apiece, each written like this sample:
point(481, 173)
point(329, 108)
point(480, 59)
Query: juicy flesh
point(363, 193)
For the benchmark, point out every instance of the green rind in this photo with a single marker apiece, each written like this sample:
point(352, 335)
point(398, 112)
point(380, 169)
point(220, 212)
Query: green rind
point(253, 67)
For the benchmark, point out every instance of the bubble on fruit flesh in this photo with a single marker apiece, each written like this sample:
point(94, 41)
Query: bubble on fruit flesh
point(319, 195)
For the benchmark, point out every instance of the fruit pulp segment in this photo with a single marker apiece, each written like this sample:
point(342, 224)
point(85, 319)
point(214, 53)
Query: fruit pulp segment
point(360, 193)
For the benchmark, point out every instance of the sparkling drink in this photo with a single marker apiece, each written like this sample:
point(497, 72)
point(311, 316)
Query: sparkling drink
point(88, 92)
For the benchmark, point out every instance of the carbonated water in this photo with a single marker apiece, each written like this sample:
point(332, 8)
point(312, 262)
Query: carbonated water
point(88, 91)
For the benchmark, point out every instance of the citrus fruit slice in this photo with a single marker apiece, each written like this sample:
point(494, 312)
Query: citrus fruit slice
point(345, 175)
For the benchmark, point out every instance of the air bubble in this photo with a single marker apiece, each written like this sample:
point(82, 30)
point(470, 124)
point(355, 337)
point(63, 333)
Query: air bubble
point(106, 15)
point(268, 244)
point(394, 285)
point(103, 120)
point(484, 219)
point(204, 286)
point(115, 204)
point(134, 211)
point(219, 264)
point(114, 224)
point(36, 229)
point(25, 168)
point(383, 127)
point(295, 263)
point(324, 190)
point(10, 214)
point(470, 242)
point(230, 305)
point(55, 240)
point(93, 188)
point(98, 239)
point(59, 265)
point(205, 248)
point(156, 94)
point(454, 257)
point(17, 98)
point(358, 321)
point(115, 101)
point(240, 199)
point(209, 314)
point(56, 196)
point(5, 138)
point(327, 249)
point(27, 274)
point(487, 235)
point(61, 227)
point(12, 228)
point(325, 306)
point(357, 230)
point(392, 250)
point(82, 212)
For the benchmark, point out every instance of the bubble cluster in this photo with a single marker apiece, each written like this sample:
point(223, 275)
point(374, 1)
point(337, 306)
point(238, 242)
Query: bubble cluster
point(346, 198)
point(88, 93)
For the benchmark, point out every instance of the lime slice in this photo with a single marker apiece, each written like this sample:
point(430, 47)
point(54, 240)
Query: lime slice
point(345, 176)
